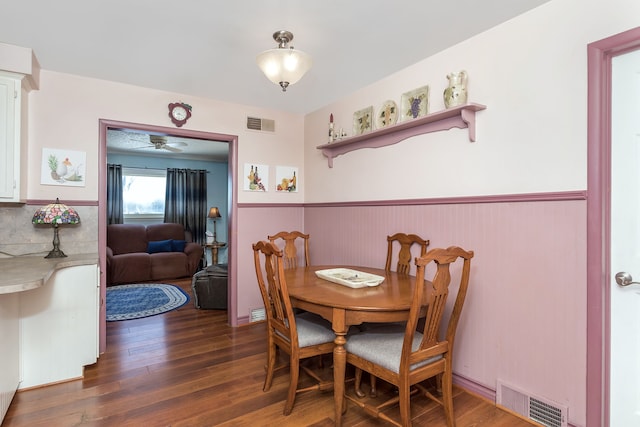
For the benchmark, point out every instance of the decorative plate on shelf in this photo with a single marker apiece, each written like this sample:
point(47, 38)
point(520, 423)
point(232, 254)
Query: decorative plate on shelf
point(414, 103)
point(387, 114)
point(363, 121)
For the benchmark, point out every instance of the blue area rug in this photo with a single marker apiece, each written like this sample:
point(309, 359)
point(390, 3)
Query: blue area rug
point(125, 302)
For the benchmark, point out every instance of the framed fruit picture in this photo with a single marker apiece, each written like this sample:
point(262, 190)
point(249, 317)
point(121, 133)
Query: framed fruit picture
point(63, 167)
point(287, 179)
point(256, 177)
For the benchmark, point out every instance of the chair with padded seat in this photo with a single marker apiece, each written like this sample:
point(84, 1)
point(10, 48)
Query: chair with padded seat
point(290, 249)
point(407, 358)
point(300, 336)
point(404, 242)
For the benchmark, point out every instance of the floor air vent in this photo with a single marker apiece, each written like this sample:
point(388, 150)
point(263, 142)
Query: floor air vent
point(255, 123)
point(257, 314)
point(543, 411)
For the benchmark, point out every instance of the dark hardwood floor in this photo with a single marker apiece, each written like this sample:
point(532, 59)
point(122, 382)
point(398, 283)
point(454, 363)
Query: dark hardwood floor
point(189, 368)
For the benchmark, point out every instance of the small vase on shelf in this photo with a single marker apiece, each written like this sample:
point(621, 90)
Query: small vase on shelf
point(456, 93)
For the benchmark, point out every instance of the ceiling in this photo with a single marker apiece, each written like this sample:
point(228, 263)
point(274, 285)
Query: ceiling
point(208, 48)
point(131, 142)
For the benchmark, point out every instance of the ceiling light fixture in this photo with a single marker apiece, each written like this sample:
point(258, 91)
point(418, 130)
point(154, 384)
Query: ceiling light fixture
point(284, 65)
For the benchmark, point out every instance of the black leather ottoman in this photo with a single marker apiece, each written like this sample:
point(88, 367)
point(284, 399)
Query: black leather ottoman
point(210, 287)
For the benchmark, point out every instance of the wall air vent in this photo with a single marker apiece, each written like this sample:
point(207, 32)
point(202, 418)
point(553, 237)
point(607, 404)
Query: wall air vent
point(257, 314)
point(266, 125)
point(540, 410)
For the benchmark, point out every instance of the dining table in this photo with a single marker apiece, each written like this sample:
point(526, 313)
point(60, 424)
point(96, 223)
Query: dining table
point(345, 306)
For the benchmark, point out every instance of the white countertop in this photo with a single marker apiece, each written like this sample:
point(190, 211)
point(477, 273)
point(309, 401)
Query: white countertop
point(23, 273)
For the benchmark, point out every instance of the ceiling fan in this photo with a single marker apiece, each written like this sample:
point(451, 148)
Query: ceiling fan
point(160, 142)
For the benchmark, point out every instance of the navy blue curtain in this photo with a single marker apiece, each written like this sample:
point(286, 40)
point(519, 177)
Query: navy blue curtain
point(186, 201)
point(114, 194)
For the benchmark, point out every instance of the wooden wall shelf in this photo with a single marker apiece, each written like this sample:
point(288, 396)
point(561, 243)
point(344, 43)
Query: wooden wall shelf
point(463, 116)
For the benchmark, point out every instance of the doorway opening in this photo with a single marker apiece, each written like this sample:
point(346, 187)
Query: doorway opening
point(232, 164)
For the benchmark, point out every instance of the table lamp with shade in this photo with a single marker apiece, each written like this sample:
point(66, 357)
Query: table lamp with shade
point(56, 214)
point(214, 214)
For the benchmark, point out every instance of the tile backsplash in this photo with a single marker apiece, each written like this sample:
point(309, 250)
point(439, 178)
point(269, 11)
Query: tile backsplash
point(18, 236)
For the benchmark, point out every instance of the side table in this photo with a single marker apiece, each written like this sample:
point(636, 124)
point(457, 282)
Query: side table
point(213, 247)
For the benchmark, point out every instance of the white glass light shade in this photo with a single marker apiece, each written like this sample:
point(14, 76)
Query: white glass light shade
point(284, 66)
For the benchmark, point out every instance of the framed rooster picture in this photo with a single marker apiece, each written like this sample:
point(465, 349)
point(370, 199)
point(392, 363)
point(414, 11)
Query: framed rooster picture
point(63, 167)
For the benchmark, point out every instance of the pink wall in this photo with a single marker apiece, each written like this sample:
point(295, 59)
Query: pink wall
point(256, 222)
point(524, 318)
point(523, 321)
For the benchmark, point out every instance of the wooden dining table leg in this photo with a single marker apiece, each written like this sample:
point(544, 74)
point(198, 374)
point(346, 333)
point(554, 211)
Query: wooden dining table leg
point(339, 362)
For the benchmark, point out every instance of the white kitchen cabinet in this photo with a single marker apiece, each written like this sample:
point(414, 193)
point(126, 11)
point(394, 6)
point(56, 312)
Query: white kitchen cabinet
point(59, 326)
point(10, 135)
point(10, 353)
point(19, 75)
point(49, 312)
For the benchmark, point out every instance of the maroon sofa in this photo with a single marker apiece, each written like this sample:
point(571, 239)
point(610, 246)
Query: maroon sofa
point(139, 253)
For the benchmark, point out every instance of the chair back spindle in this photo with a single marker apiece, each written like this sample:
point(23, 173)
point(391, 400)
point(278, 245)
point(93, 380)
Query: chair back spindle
point(406, 241)
point(290, 251)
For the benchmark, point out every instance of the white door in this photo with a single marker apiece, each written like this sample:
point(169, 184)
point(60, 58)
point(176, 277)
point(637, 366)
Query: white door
point(625, 241)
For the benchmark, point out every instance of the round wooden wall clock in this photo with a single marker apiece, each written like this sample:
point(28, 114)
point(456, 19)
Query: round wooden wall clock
point(179, 113)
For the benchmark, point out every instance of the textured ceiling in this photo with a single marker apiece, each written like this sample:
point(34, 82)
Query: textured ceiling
point(129, 142)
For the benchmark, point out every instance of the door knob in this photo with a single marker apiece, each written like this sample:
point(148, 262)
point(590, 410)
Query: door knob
point(624, 279)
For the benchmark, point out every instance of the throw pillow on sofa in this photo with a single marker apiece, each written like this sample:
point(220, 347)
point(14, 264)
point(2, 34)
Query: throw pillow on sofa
point(159, 246)
point(178, 245)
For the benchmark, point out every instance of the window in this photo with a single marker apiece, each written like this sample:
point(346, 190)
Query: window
point(143, 193)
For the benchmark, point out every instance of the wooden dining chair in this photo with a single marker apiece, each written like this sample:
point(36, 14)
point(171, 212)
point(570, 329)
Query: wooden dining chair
point(300, 336)
point(405, 359)
point(290, 250)
point(405, 243)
